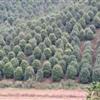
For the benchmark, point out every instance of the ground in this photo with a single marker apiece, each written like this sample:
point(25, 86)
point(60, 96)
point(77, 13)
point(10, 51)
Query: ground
point(33, 94)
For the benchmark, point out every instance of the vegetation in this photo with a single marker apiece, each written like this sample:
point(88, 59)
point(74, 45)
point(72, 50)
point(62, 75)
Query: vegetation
point(42, 39)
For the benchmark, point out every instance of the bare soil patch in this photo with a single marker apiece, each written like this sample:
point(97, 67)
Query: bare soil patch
point(33, 94)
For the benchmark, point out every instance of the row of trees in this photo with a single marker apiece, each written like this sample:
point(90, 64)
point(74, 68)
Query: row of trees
point(49, 46)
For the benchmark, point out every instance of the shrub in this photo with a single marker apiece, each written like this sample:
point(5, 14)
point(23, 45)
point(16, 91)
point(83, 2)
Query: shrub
point(16, 40)
point(82, 22)
point(59, 44)
point(52, 37)
point(8, 70)
point(47, 42)
point(85, 75)
point(87, 18)
point(38, 38)
point(7, 49)
point(24, 64)
point(96, 74)
point(37, 53)
point(28, 49)
point(1, 67)
point(39, 75)
point(11, 55)
point(15, 62)
point(28, 37)
point(53, 61)
point(62, 63)
point(18, 73)
point(29, 72)
point(42, 46)
point(16, 49)
point(44, 34)
point(33, 42)
point(89, 34)
point(57, 73)
point(71, 72)
point(46, 69)
point(36, 64)
point(30, 59)
point(22, 44)
point(49, 29)
point(47, 53)
point(5, 60)
point(20, 56)
point(1, 54)
point(92, 27)
point(53, 49)
point(96, 21)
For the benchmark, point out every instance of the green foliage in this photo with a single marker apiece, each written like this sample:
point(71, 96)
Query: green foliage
point(85, 75)
point(37, 53)
point(8, 70)
point(28, 49)
point(18, 73)
point(17, 49)
point(15, 62)
point(39, 75)
point(71, 72)
point(53, 61)
point(97, 21)
point(96, 74)
point(1, 54)
point(24, 64)
point(57, 73)
point(47, 53)
point(46, 69)
point(29, 72)
point(11, 55)
point(36, 64)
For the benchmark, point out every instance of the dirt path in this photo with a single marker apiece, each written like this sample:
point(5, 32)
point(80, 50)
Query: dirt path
point(32, 94)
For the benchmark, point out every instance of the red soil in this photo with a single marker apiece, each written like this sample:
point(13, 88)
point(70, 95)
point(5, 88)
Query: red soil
point(33, 94)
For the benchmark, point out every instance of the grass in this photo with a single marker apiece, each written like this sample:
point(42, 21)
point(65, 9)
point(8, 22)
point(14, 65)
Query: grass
point(68, 84)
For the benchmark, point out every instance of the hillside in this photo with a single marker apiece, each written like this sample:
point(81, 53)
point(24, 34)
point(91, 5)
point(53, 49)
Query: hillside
point(50, 39)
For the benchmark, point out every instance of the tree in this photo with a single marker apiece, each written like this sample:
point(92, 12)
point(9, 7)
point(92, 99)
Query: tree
point(96, 21)
point(8, 70)
point(89, 34)
point(57, 73)
point(37, 53)
point(62, 63)
point(16, 49)
point(24, 64)
point(47, 42)
point(20, 56)
point(18, 73)
point(85, 75)
point(15, 62)
point(33, 42)
point(1, 54)
point(22, 44)
point(52, 37)
point(46, 69)
point(28, 50)
point(47, 53)
point(1, 67)
point(29, 72)
point(96, 74)
point(39, 75)
point(71, 72)
point(11, 55)
point(38, 38)
point(36, 65)
point(53, 61)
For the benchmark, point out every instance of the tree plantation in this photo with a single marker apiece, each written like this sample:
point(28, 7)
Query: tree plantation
point(49, 39)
